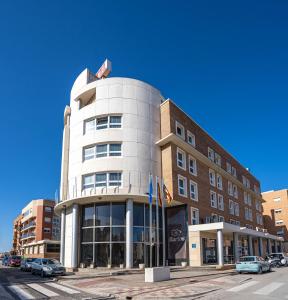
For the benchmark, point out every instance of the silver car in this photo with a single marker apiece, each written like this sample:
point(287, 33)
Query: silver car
point(26, 264)
point(47, 267)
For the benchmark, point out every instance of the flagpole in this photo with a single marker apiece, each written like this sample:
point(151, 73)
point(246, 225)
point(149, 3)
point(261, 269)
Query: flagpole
point(163, 225)
point(157, 222)
point(150, 217)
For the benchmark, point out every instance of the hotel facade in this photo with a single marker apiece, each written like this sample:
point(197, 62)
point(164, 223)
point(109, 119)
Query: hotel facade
point(118, 131)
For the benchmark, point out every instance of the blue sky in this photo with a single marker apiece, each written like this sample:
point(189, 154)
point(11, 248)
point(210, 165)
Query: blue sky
point(223, 62)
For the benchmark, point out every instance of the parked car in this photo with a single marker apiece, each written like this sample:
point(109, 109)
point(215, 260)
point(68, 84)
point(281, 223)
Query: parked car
point(14, 261)
point(47, 267)
point(253, 264)
point(5, 261)
point(281, 256)
point(274, 261)
point(26, 264)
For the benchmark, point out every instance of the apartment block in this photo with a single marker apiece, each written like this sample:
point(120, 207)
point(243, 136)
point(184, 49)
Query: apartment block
point(276, 213)
point(39, 230)
point(16, 244)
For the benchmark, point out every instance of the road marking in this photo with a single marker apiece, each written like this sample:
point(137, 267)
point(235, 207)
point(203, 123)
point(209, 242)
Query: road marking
point(62, 288)
point(242, 286)
point(268, 289)
point(42, 290)
point(20, 292)
point(4, 293)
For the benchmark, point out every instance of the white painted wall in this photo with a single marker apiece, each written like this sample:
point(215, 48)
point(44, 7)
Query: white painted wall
point(68, 238)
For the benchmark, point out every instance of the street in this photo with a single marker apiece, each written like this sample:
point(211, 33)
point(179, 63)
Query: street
point(184, 284)
point(15, 284)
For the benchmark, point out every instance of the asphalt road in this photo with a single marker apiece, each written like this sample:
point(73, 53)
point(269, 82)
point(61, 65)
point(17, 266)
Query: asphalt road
point(267, 286)
point(18, 285)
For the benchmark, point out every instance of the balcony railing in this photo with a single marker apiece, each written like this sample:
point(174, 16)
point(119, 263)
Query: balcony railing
point(29, 225)
point(27, 235)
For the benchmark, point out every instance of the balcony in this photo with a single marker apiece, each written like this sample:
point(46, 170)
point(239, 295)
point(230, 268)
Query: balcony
point(27, 236)
point(29, 225)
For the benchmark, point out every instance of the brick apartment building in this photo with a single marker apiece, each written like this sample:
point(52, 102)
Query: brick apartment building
point(16, 245)
point(276, 214)
point(39, 230)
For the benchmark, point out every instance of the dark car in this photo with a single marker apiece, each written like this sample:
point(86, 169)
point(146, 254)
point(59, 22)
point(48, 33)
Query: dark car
point(47, 267)
point(26, 264)
point(14, 261)
point(5, 260)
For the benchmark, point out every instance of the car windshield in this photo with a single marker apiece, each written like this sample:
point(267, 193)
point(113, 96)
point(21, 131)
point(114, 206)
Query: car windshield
point(16, 257)
point(30, 259)
point(275, 255)
point(50, 262)
point(247, 258)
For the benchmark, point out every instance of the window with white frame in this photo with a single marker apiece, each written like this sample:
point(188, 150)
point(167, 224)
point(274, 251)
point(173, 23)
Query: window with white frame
point(249, 199)
point(234, 173)
point(278, 210)
point(190, 138)
point(235, 191)
point(256, 189)
point(213, 199)
point(194, 216)
point(89, 153)
point(115, 149)
point(259, 219)
point(193, 191)
point(221, 219)
point(212, 177)
point(211, 154)
point(110, 179)
point(236, 209)
point(48, 209)
point(103, 122)
point(217, 159)
point(277, 199)
point(181, 159)
point(115, 121)
point(192, 166)
point(89, 125)
point(182, 186)
point(228, 167)
point(220, 202)
point(246, 213)
point(279, 222)
point(214, 218)
point(245, 197)
point(219, 182)
point(230, 188)
point(280, 232)
point(180, 131)
point(47, 230)
point(47, 220)
point(102, 150)
point(250, 214)
point(231, 207)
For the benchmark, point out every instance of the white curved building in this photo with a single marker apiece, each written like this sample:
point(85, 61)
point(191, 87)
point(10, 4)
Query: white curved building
point(109, 149)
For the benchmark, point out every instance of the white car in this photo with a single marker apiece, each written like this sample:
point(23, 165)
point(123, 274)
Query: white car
point(47, 267)
point(282, 256)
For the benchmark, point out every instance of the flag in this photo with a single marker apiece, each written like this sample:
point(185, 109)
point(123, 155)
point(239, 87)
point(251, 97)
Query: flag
point(159, 194)
point(167, 195)
point(150, 189)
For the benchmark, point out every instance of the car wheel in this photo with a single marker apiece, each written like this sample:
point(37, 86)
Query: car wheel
point(260, 270)
point(42, 274)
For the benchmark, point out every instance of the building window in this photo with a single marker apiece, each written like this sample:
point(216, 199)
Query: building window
point(219, 182)
point(89, 153)
point(193, 190)
point(180, 131)
point(48, 209)
point(280, 232)
point(110, 179)
point(47, 230)
point(194, 216)
point(190, 138)
point(221, 219)
point(182, 186)
point(220, 202)
point(102, 150)
point(277, 199)
point(214, 218)
point(234, 172)
point(181, 159)
point(278, 211)
point(217, 159)
point(102, 123)
point(246, 213)
point(279, 222)
point(249, 202)
point(211, 154)
point(213, 199)
point(47, 220)
point(250, 214)
point(235, 191)
point(259, 219)
point(115, 149)
point(230, 188)
point(256, 189)
point(212, 177)
point(228, 167)
point(231, 207)
point(192, 166)
point(245, 197)
point(236, 209)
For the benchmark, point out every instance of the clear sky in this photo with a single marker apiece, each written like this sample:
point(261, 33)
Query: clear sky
point(223, 62)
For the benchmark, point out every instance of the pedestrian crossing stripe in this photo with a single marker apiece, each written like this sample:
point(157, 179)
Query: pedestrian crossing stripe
point(243, 286)
point(62, 288)
point(20, 292)
point(41, 289)
point(268, 289)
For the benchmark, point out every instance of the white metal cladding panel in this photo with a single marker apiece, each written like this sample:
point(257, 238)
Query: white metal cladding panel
point(68, 238)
